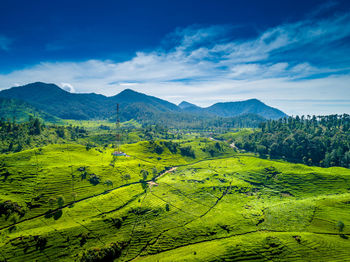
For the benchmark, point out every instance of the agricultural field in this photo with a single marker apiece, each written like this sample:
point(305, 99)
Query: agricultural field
point(181, 200)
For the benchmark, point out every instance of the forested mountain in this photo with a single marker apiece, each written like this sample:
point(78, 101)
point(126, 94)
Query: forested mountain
point(129, 96)
point(251, 106)
point(58, 102)
point(20, 111)
point(51, 99)
point(231, 109)
point(322, 141)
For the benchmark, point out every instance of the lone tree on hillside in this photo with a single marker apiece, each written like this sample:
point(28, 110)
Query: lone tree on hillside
point(340, 226)
point(144, 174)
point(60, 201)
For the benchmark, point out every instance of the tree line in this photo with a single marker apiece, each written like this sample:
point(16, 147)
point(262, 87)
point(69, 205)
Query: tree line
point(312, 140)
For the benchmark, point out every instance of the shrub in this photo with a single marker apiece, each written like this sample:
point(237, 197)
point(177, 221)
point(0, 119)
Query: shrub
point(96, 254)
point(171, 146)
point(187, 151)
point(94, 179)
point(117, 222)
point(8, 207)
point(108, 183)
point(158, 149)
point(40, 242)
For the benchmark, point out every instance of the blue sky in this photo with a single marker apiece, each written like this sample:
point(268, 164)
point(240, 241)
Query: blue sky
point(294, 55)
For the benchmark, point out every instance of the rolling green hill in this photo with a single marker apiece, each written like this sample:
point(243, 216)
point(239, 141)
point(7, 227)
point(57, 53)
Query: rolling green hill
point(185, 200)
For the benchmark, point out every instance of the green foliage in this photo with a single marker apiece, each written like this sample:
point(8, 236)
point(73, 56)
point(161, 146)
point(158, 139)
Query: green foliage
point(9, 207)
point(173, 147)
point(158, 149)
point(340, 226)
point(40, 242)
point(97, 254)
point(144, 184)
point(144, 174)
point(187, 151)
point(19, 111)
point(17, 137)
point(94, 179)
point(108, 183)
point(320, 141)
point(60, 201)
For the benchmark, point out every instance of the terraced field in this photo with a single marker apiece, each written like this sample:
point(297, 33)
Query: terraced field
point(70, 203)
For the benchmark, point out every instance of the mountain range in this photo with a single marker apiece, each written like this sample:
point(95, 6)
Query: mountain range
point(50, 101)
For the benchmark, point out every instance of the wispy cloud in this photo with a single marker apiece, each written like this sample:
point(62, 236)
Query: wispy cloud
point(303, 60)
point(5, 43)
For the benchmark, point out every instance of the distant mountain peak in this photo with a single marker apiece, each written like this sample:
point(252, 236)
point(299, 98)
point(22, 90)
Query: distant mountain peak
point(129, 91)
point(185, 104)
point(41, 85)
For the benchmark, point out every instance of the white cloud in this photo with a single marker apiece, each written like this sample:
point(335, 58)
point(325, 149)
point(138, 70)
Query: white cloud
point(5, 43)
point(207, 65)
point(68, 87)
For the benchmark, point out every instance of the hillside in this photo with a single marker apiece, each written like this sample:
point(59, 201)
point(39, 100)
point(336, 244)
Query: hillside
point(21, 111)
point(169, 202)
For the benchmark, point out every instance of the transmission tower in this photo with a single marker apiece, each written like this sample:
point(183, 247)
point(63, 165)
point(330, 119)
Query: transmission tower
point(117, 151)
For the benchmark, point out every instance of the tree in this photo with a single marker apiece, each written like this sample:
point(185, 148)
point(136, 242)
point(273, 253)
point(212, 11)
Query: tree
point(126, 177)
point(108, 183)
point(261, 150)
point(60, 201)
point(36, 127)
point(144, 174)
point(340, 225)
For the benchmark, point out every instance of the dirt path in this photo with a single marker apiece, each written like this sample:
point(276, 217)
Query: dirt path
point(167, 171)
point(232, 145)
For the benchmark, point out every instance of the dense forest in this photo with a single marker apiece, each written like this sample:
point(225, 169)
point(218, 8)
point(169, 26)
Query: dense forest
point(317, 140)
point(15, 137)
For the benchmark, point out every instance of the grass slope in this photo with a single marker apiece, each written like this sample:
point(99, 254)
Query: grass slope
point(216, 206)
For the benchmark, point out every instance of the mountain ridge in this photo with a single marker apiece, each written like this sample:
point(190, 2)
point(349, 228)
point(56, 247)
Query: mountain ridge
point(84, 106)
